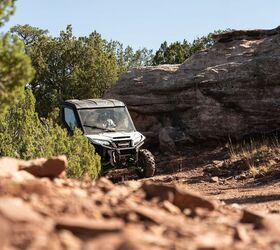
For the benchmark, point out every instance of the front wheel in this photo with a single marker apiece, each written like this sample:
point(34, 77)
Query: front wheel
point(146, 164)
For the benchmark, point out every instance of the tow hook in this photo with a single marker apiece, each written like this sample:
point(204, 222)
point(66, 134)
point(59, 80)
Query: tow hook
point(114, 157)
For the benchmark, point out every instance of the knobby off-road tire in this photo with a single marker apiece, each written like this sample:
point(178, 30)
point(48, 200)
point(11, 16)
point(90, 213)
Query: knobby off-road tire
point(146, 164)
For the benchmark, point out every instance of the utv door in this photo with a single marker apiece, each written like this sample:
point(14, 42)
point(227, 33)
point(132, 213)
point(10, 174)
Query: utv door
point(70, 118)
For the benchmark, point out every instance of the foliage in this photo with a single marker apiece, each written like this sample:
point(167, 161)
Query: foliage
point(127, 58)
point(178, 52)
point(7, 8)
point(24, 135)
point(174, 53)
point(15, 66)
point(68, 67)
point(28, 34)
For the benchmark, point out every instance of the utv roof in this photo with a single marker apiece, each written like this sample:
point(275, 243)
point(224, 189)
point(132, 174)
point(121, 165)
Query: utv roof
point(94, 103)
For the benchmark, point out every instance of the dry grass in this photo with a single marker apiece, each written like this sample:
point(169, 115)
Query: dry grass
point(261, 157)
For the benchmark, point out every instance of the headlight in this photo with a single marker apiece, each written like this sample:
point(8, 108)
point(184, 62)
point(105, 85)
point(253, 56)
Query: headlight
point(106, 143)
point(137, 140)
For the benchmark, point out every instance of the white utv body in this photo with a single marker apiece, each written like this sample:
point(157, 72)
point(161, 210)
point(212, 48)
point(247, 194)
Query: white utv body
point(109, 127)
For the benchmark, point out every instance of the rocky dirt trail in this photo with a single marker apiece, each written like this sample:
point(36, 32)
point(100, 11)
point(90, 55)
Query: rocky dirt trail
point(247, 193)
point(193, 172)
point(41, 209)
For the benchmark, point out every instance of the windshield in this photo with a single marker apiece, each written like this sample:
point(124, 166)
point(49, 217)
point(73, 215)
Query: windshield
point(106, 119)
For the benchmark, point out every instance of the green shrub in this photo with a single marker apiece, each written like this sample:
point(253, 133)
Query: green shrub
point(15, 70)
point(23, 135)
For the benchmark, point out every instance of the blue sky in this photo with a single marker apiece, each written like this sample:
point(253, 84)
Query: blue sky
point(146, 23)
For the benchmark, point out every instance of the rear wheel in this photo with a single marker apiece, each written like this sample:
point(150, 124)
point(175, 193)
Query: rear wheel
point(146, 164)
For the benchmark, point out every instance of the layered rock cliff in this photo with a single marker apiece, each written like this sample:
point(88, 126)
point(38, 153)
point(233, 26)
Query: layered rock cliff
point(231, 89)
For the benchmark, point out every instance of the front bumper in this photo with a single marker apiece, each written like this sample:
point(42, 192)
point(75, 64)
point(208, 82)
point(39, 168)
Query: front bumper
point(119, 156)
point(122, 157)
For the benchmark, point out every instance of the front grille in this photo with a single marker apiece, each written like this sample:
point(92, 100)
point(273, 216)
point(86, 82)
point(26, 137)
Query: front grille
point(123, 144)
point(121, 137)
point(127, 152)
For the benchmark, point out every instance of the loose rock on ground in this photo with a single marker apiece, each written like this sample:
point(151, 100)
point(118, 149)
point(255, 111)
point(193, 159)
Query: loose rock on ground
point(59, 213)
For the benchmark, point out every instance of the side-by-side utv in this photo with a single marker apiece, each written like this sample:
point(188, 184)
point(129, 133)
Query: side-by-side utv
point(109, 127)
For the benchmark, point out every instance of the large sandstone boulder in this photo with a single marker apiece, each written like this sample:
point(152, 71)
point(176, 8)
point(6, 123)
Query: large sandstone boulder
point(231, 89)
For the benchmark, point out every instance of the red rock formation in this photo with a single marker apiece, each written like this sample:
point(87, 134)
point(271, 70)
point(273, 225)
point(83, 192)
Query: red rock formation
point(231, 89)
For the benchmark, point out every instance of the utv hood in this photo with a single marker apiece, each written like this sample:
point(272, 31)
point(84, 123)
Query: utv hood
point(106, 138)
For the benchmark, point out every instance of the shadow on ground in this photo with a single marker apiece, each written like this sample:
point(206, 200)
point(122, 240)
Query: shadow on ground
point(253, 199)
